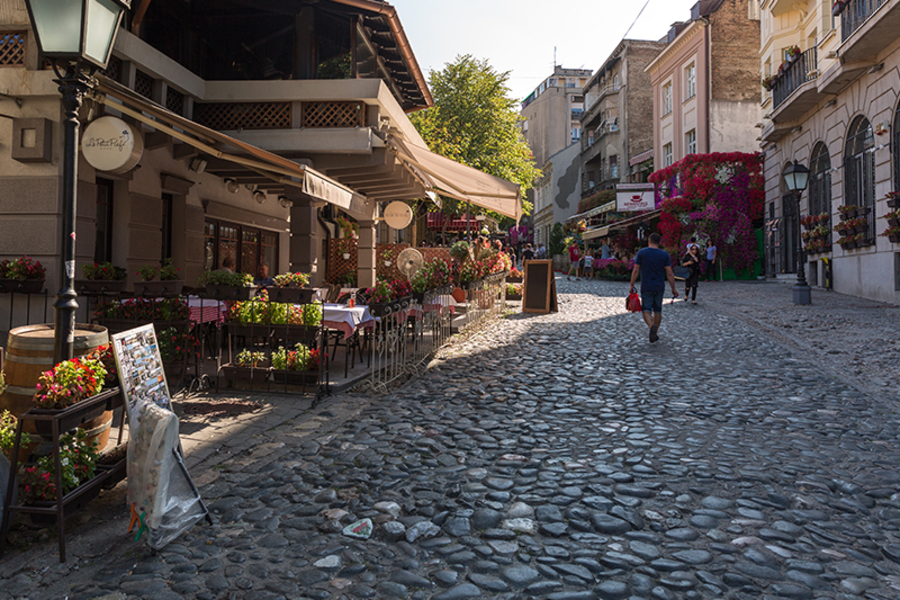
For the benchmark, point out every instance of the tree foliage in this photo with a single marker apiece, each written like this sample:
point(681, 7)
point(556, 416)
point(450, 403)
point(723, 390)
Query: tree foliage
point(474, 121)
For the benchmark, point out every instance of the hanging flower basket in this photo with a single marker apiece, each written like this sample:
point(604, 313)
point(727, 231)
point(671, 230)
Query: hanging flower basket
point(838, 7)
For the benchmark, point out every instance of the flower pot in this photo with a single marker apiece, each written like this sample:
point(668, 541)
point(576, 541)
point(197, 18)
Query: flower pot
point(22, 286)
point(304, 378)
point(346, 255)
point(514, 280)
point(171, 287)
point(893, 202)
point(99, 286)
point(289, 335)
point(837, 8)
point(861, 229)
point(81, 497)
point(845, 215)
point(230, 292)
point(93, 414)
point(895, 239)
point(291, 295)
point(514, 296)
point(253, 375)
point(893, 222)
point(459, 295)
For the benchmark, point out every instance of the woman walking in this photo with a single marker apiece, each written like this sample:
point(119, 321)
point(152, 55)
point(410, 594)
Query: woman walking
point(692, 262)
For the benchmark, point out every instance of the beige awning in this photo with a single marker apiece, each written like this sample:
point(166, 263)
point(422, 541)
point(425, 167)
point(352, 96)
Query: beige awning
point(218, 145)
point(591, 234)
point(450, 178)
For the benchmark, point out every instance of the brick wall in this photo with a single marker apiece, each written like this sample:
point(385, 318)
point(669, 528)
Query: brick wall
point(734, 51)
point(639, 99)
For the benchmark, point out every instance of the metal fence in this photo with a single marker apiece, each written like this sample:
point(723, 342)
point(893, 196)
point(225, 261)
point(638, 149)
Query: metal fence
point(855, 15)
point(486, 300)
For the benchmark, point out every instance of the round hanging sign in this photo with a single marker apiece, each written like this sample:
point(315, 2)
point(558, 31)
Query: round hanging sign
point(110, 144)
point(398, 215)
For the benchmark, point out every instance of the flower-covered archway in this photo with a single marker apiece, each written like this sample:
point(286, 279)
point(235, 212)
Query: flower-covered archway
point(716, 196)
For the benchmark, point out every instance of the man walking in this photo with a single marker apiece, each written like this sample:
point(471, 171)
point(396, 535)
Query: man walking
point(655, 267)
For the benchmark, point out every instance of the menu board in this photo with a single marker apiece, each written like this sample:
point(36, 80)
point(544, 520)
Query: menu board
point(141, 373)
point(539, 293)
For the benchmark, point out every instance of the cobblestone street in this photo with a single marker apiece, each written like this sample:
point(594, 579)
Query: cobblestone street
point(752, 452)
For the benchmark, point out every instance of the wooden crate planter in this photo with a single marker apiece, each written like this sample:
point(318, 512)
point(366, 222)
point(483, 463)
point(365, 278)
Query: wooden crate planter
point(238, 374)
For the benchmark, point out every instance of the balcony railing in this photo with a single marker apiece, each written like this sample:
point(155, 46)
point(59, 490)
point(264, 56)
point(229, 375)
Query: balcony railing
point(796, 75)
point(855, 14)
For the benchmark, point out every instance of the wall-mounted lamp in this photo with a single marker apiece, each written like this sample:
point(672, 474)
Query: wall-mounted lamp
point(198, 165)
point(285, 202)
point(232, 186)
point(881, 128)
point(260, 197)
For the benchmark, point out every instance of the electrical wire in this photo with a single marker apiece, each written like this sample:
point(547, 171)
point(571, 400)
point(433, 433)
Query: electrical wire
point(635, 20)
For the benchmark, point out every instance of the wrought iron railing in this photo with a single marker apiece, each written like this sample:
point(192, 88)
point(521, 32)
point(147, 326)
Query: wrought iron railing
point(855, 14)
point(486, 300)
point(796, 75)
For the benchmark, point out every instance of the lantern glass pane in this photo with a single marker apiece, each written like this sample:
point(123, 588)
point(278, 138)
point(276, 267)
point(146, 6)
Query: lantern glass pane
point(102, 18)
point(58, 24)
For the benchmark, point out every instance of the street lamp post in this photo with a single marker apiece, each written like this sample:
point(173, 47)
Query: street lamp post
point(796, 177)
point(77, 36)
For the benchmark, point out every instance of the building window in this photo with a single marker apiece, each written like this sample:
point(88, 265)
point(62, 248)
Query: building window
point(820, 181)
point(613, 167)
point(690, 82)
point(859, 170)
point(667, 155)
point(690, 142)
point(249, 247)
point(667, 99)
point(166, 227)
point(895, 148)
point(615, 82)
point(103, 221)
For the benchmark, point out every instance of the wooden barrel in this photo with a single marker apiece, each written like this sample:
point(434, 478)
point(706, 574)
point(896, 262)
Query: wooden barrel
point(29, 353)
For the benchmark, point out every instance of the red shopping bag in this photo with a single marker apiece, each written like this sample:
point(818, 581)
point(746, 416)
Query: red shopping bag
point(633, 302)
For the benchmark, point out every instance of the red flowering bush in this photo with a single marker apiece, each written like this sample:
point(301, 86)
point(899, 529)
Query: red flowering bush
point(78, 460)
point(22, 269)
point(69, 382)
point(718, 196)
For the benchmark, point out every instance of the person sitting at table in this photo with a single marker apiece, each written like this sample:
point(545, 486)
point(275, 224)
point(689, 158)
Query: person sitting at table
point(263, 279)
point(228, 264)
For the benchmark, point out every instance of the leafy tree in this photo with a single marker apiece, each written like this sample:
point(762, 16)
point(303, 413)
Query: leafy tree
point(475, 122)
point(557, 239)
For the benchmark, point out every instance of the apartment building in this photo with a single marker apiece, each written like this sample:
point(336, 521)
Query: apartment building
point(617, 123)
point(551, 114)
point(706, 83)
point(832, 103)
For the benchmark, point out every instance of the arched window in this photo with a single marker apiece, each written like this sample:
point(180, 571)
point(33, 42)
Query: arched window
point(820, 181)
point(859, 171)
point(895, 148)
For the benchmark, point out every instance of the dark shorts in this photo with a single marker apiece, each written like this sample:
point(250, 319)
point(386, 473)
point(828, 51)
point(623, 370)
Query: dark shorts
point(652, 301)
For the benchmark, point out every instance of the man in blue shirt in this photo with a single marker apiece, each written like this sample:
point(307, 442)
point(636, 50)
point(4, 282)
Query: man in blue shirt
point(655, 267)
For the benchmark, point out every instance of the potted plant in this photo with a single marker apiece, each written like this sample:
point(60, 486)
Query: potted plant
point(38, 482)
point(515, 276)
point(848, 211)
point(893, 199)
point(289, 287)
point(893, 234)
point(769, 82)
point(299, 366)
point(24, 275)
point(101, 278)
point(8, 432)
point(224, 285)
point(893, 217)
point(838, 6)
point(513, 291)
point(249, 365)
point(168, 284)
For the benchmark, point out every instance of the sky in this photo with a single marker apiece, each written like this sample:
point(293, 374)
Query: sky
point(520, 35)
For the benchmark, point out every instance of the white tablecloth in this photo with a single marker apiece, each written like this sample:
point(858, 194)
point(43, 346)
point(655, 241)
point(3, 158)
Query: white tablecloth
point(346, 319)
point(206, 311)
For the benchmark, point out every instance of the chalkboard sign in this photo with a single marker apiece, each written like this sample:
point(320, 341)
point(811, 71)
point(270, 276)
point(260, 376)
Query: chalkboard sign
point(539, 293)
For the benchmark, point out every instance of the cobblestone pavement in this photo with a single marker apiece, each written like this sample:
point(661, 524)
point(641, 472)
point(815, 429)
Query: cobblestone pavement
point(564, 457)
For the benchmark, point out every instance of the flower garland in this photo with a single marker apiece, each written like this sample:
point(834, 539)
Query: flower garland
point(716, 196)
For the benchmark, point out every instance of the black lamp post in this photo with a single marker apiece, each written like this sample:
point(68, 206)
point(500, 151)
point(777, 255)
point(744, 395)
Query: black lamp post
point(796, 178)
point(77, 36)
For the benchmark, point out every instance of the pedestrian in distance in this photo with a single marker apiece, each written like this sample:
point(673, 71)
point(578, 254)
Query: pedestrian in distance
point(573, 261)
point(588, 265)
point(711, 256)
point(527, 254)
point(654, 266)
point(691, 261)
point(691, 243)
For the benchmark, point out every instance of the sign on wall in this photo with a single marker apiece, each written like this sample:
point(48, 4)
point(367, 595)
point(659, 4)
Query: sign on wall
point(111, 145)
point(633, 197)
point(398, 215)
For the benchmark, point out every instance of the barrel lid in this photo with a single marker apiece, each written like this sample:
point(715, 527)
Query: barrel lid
point(45, 331)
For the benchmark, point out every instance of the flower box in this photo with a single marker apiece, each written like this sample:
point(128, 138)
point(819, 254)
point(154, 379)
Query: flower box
point(304, 378)
point(514, 296)
point(74, 501)
point(253, 375)
point(170, 287)
point(76, 415)
point(291, 334)
point(230, 292)
point(383, 309)
point(99, 286)
point(893, 202)
point(22, 286)
point(291, 295)
point(514, 280)
point(838, 7)
point(894, 222)
point(895, 239)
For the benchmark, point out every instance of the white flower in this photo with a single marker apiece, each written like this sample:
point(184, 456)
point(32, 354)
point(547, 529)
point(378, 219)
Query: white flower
point(65, 462)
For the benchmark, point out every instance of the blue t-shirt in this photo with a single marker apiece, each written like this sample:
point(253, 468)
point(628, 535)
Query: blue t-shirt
point(710, 252)
point(653, 262)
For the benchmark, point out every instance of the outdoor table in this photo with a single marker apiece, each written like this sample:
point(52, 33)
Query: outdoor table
point(203, 310)
point(347, 320)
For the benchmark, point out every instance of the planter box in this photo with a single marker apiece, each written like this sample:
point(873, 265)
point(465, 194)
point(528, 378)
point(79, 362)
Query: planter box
point(22, 286)
point(304, 378)
point(295, 333)
point(291, 295)
point(514, 280)
point(862, 229)
point(257, 375)
point(389, 308)
point(230, 292)
point(895, 239)
point(75, 415)
point(158, 288)
point(893, 202)
point(893, 222)
point(74, 501)
point(514, 296)
point(845, 216)
point(92, 286)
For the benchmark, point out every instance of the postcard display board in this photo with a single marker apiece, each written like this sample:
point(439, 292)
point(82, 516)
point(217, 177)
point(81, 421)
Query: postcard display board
point(159, 486)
